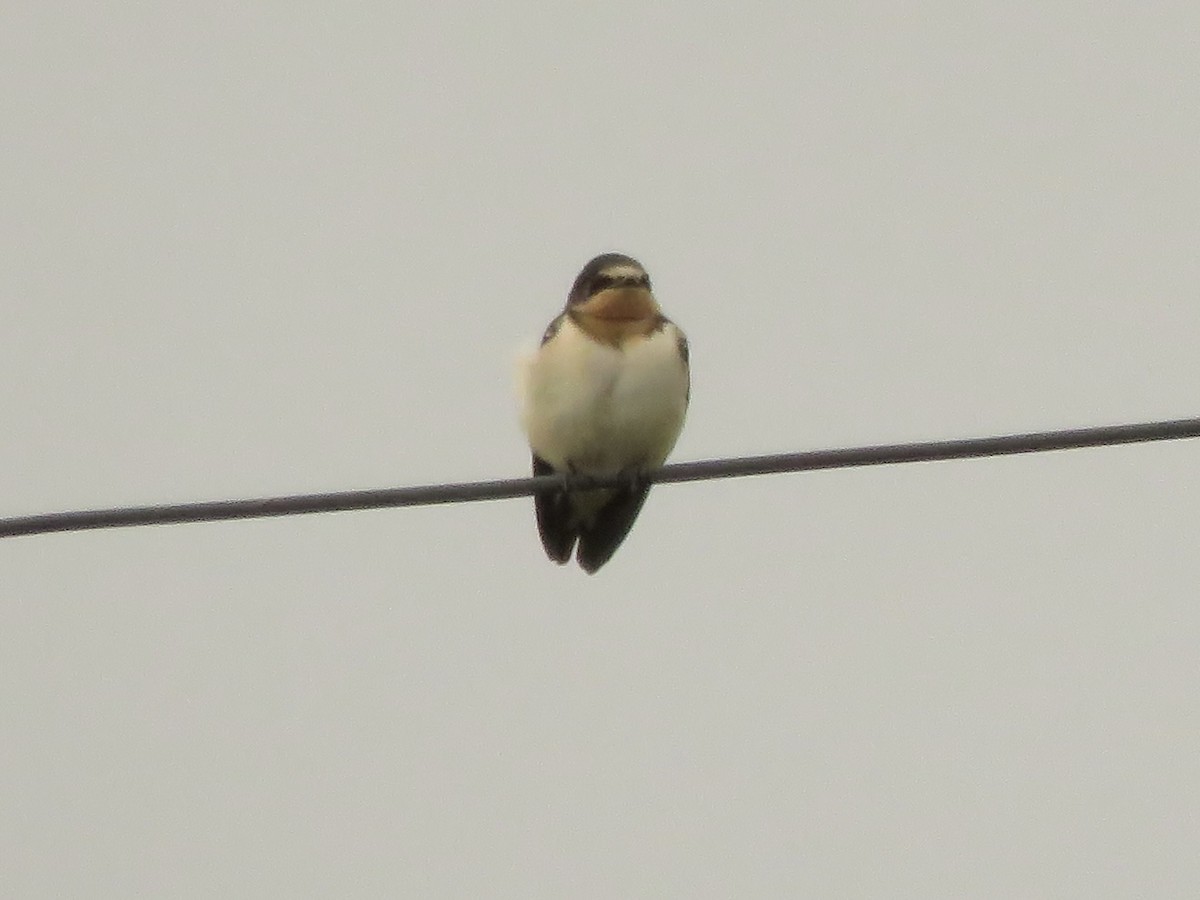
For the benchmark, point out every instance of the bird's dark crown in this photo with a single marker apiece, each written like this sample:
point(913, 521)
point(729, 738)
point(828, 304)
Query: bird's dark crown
point(605, 271)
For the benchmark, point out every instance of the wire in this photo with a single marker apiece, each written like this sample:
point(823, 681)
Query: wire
point(427, 495)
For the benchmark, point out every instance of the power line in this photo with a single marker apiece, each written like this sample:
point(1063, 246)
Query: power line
point(427, 495)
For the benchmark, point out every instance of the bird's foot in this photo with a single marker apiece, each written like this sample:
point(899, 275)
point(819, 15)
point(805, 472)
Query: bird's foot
point(636, 480)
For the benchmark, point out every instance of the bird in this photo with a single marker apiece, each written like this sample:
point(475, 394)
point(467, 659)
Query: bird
point(605, 394)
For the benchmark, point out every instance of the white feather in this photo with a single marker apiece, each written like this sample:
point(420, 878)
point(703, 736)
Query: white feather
point(600, 409)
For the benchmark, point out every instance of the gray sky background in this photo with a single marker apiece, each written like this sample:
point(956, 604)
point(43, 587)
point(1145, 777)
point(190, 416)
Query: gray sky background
point(261, 250)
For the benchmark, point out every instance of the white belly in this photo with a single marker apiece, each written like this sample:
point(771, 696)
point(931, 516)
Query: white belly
point(604, 410)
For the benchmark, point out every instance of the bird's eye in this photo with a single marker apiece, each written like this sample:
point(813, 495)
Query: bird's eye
point(601, 282)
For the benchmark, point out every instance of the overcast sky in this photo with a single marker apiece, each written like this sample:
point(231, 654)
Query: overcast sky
point(251, 250)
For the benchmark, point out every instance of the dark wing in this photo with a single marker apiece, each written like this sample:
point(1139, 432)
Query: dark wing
point(600, 540)
point(685, 355)
point(682, 344)
point(553, 510)
point(552, 328)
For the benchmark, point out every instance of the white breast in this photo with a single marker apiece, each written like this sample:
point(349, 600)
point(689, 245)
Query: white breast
point(601, 409)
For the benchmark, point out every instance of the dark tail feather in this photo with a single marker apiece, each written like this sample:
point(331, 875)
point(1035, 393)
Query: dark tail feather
point(600, 540)
point(553, 517)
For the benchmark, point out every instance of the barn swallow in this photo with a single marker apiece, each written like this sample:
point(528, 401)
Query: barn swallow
point(605, 394)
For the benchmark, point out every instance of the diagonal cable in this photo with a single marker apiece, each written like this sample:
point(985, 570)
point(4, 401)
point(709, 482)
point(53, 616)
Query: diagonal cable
point(431, 494)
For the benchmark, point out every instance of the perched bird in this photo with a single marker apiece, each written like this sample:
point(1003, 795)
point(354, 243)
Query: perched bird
point(605, 394)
